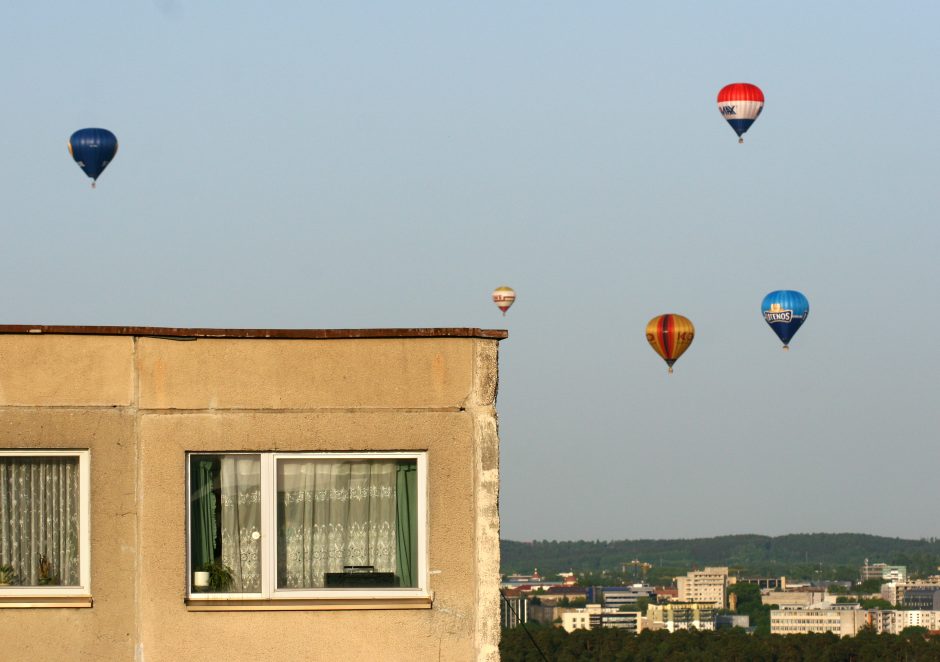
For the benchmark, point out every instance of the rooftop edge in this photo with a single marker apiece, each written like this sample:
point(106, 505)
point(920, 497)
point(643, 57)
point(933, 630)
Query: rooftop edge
point(287, 334)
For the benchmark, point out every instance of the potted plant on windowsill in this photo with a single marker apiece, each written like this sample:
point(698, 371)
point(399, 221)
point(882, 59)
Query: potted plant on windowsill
point(213, 577)
point(46, 576)
point(7, 575)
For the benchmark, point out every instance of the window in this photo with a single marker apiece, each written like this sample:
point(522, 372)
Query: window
point(44, 524)
point(306, 525)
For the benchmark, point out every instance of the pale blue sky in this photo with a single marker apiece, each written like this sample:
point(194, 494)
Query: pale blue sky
point(301, 164)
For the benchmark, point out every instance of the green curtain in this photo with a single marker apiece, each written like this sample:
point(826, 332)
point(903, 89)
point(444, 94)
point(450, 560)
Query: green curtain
point(407, 523)
point(204, 531)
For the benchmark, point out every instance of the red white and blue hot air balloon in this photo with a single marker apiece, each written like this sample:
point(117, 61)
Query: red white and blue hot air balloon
point(740, 104)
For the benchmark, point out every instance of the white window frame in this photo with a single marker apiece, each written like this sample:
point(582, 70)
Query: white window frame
point(269, 590)
point(84, 529)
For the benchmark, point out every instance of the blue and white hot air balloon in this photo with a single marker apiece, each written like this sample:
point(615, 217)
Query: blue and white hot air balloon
point(785, 311)
point(93, 150)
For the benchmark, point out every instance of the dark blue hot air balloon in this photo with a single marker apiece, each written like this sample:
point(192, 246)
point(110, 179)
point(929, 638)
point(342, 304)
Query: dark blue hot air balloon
point(785, 311)
point(93, 150)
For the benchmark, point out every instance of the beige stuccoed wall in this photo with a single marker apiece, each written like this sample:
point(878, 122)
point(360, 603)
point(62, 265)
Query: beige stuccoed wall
point(141, 403)
point(447, 627)
point(58, 371)
point(304, 374)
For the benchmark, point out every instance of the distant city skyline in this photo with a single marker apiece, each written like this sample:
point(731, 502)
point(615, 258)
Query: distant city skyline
point(314, 165)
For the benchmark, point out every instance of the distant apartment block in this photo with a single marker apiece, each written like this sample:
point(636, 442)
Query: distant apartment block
point(666, 593)
point(765, 583)
point(892, 573)
point(797, 599)
point(890, 621)
point(632, 621)
point(674, 616)
point(894, 592)
point(595, 616)
point(618, 596)
point(518, 578)
point(842, 620)
point(921, 597)
point(545, 614)
point(576, 619)
point(514, 608)
point(533, 582)
point(708, 586)
point(554, 594)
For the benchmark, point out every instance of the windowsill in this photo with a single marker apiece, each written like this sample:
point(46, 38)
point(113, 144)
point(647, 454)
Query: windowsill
point(309, 604)
point(46, 601)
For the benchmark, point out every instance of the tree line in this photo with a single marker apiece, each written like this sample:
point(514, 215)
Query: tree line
point(800, 556)
point(732, 645)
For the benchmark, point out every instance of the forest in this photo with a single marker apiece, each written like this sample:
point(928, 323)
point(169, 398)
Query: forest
point(732, 645)
point(834, 556)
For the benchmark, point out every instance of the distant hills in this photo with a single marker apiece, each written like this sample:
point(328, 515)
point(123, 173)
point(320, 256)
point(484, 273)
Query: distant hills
point(803, 555)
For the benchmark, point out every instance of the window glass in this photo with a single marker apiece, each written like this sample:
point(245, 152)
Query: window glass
point(346, 524)
point(304, 525)
point(225, 523)
point(40, 514)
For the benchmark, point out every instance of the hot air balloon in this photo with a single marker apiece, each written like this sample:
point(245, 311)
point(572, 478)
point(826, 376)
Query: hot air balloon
point(740, 104)
point(503, 297)
point(670, 335)
point(785, 311)
point(93, 150)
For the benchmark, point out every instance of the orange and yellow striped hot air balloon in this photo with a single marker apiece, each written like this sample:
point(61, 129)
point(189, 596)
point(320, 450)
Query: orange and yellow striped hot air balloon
point(670, 335)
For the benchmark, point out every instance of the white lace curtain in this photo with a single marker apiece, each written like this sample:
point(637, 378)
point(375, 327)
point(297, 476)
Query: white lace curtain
point(241, 521)
point(329, 515)
point(39, 519)
point(334, 514)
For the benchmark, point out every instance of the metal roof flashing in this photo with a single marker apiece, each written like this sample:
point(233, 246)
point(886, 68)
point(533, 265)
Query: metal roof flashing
point(283, 334)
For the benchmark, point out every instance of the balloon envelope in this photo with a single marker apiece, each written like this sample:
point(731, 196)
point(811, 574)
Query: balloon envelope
point(504, 297)
point(785, 311)
point(740, 104)
point(93, 150)
point(670, 335)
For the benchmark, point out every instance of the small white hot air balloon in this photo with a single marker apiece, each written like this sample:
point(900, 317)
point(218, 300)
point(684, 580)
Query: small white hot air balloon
point(503, 297)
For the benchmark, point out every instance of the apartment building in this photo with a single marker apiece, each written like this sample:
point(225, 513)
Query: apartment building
point(894, 573)
point(797, 599)
point(891, 621)
point(709, 585)
point(921, 598)
point(618, 596)
point(576, 619)
point(545, 614)
point(674, 616)
point(594, 616)
point(843, 620)
point(894, 592)
point(514, 608)
point(765, 583)
point(248, 494)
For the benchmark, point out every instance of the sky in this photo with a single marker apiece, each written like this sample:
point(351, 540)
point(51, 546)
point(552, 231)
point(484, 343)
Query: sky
point(388, 164)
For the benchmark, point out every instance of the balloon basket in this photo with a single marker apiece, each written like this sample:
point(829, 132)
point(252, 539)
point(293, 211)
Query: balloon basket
point(786, 348)
point(670, 370)
point(93, 185)
point(740, 141)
